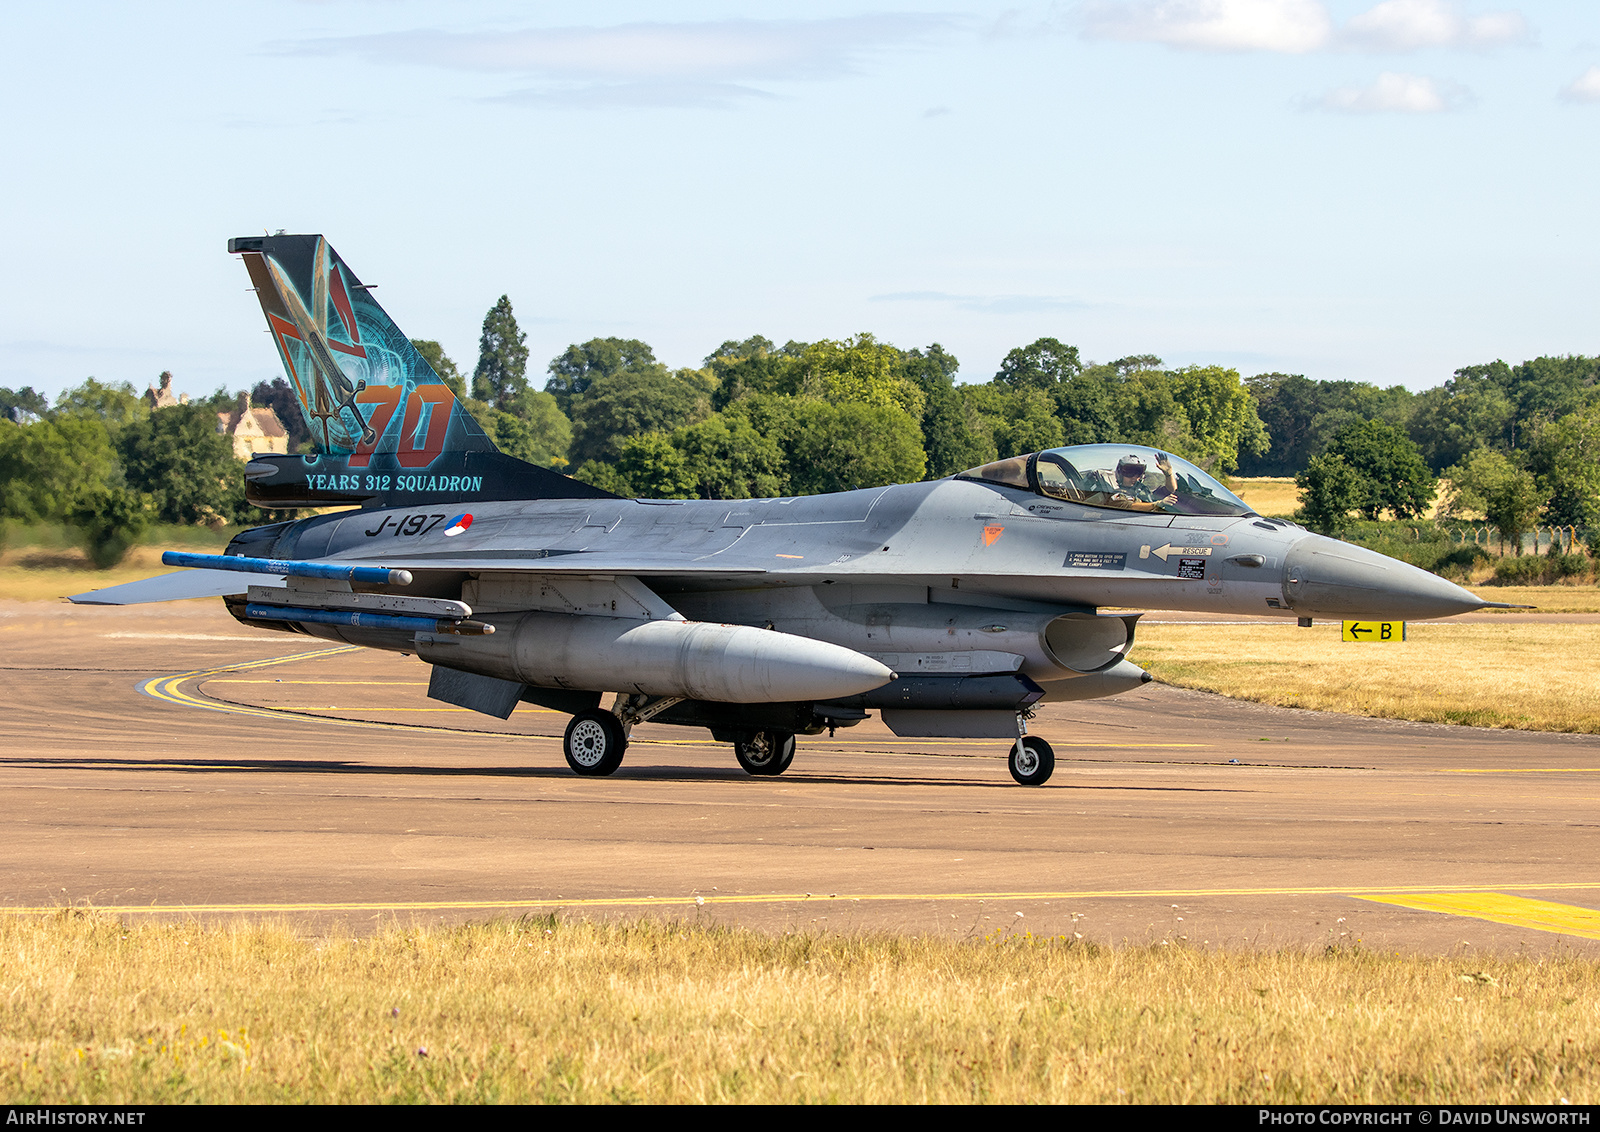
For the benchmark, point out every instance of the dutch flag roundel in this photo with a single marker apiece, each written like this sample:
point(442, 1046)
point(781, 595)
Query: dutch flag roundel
point(458, 524)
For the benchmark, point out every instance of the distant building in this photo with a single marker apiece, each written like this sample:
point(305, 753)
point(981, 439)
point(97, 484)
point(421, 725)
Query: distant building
point(164, 398)
point(252, 430)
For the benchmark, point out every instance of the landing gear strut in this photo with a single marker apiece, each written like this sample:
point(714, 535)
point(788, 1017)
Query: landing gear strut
point(594, 743)
point(765, 752)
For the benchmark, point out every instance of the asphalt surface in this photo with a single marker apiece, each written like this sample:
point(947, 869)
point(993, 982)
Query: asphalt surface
point(167, 760)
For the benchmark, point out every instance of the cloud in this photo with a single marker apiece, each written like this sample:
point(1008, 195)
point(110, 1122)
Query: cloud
point(1584, 88)
point(986, 304)
point(1289, 26)
point(683, 64)
point(1406, 25)
point(1295, 27)
point(606, 96)
point(1394, 93)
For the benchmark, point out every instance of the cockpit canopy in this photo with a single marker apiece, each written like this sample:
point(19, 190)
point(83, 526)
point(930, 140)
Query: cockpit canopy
point(1120, 476)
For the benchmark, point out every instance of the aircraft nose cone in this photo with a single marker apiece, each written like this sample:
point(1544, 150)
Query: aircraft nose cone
point(1325, 577)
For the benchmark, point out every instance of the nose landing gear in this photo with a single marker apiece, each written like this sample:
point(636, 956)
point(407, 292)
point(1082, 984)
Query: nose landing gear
point(1032, 760)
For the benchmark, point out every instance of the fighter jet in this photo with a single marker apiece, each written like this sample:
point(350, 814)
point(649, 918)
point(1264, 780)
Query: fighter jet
point(952, 607)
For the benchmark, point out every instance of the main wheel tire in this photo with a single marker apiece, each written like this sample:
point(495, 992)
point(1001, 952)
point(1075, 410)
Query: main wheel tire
point(594, 743)
point(1034, 763)
point(765, 753)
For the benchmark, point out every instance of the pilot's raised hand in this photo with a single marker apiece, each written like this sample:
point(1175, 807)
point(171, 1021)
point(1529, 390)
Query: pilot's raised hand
point(1169, 487)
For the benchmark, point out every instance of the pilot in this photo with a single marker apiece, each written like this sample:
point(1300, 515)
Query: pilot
point(1130, 493)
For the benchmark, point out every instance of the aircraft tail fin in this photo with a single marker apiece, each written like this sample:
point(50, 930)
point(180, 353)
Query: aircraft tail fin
point(364, 389)
point(385, 427)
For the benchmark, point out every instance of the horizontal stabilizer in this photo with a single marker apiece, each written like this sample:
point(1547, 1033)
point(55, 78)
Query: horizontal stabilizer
point(381, 575)
point(177, 586)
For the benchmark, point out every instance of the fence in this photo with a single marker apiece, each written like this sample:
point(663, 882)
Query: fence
point(1539, 540)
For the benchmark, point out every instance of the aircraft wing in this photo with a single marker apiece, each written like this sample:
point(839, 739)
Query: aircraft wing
point(177, 586)
point(202, 582)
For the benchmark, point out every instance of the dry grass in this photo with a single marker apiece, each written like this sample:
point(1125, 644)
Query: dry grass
point(1278, 497)
point(1268, 495)
point(52, 573)
point(1561, 597)
point(1520, 674)
point(102, 1013)
point(43, 562)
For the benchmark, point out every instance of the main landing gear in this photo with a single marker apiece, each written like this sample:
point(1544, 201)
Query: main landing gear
point(595, 743)
point(765, 753)
point(596, 739)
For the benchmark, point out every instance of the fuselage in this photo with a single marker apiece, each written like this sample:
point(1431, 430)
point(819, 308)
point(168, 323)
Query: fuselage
point(953, 578)
point(951, 534)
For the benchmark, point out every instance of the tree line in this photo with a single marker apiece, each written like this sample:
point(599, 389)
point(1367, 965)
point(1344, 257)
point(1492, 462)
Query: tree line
point(1519, 444)
point(101, 461)
point(756, 418)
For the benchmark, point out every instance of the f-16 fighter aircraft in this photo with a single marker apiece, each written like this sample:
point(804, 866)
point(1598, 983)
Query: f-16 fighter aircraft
point(952, 607)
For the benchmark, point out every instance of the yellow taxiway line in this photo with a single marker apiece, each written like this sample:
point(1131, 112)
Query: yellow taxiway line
point(1499, 908)
point(169, 688)
point(1403, 896)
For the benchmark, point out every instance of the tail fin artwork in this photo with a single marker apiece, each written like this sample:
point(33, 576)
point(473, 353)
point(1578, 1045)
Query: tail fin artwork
point(387, 430)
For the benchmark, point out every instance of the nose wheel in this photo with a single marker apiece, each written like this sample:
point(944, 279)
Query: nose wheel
point(594, 743)
point(765, 753)
point(1032, 760)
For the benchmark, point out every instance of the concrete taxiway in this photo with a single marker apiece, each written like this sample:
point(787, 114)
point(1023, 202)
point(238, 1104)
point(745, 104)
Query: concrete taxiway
point(168, 760)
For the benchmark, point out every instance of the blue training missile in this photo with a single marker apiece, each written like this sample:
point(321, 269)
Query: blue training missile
point(382, 575)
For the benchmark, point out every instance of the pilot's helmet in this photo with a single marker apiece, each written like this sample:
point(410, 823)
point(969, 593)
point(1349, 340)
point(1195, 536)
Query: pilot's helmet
point(1131, 468)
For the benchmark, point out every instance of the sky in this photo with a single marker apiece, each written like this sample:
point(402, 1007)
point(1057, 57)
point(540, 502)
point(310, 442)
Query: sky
point(1371, 191)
